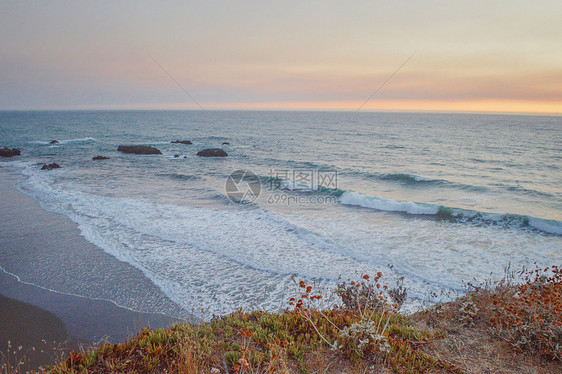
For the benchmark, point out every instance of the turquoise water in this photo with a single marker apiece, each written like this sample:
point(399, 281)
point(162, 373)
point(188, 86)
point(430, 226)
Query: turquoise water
point(443, 198)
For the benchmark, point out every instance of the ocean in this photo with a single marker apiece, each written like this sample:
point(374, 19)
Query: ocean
point(439, 200)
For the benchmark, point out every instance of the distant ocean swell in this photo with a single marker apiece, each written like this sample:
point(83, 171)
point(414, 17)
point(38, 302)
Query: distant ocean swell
point(407, 178)
point(415, 180)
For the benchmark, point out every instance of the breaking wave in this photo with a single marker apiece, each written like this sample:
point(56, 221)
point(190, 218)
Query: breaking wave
point(456, 214)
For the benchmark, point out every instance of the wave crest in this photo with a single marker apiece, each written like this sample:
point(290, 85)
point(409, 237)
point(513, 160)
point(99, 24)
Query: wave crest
point(448, 213)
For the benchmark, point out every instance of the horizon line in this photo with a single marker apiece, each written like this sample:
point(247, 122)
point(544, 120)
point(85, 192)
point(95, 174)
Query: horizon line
point(273, 109)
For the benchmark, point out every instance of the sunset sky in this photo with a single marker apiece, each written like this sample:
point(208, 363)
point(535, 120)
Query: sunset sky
point(497, 56)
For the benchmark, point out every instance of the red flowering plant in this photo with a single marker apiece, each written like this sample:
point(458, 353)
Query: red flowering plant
point(373, 303)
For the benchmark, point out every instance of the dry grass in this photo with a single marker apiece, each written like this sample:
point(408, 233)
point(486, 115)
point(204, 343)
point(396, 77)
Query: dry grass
point(366, 334)
point(505, 328)
point(529, 316)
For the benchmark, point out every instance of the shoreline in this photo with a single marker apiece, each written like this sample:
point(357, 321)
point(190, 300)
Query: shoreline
point(27, 233)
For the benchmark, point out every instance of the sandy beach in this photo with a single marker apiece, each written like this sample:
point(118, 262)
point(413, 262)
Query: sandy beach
point(32, 337)
point(31, 313)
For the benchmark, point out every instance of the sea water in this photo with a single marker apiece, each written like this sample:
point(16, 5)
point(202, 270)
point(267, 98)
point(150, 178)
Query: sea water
point(438, 199)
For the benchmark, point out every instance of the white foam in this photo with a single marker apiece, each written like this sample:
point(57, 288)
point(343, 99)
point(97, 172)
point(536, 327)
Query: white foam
point(434, 256)
point(78, 140)
point(67, 141)
point(220, 260)
point(425, 179)
point(201, 258)
point(389, 205)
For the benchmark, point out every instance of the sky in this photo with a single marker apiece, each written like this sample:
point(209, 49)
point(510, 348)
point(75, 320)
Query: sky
point(484, 56)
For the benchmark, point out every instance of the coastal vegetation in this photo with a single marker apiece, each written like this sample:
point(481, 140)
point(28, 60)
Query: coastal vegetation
point(509, 327)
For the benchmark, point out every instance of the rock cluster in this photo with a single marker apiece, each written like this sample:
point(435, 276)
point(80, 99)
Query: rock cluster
point(7, 152)
point(50, 166)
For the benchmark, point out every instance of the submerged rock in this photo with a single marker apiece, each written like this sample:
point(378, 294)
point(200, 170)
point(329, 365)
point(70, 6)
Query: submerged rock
point(50, 166)
point(100, 158)
point(212, 152)
point(139, 149)
point(188, 142)
point(7, 152)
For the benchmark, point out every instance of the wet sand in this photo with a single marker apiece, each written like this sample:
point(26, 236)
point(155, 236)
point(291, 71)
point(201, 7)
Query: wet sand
point(31, 312)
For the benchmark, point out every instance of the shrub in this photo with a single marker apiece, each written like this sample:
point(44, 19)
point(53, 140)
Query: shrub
point(529, 316)
point(369, 294)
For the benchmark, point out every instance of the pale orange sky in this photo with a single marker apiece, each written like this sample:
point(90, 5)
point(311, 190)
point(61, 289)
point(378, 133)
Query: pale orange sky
point(496, 56)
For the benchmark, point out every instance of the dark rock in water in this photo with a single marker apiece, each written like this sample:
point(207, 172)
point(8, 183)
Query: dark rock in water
point(100, 158)
point(184, 156)
point(7, 152)
point(182, 142)
point(50, 166)
point(226, 143)
point(54, 142)
point(176, 156)
point(139, 149)
point(212, 152)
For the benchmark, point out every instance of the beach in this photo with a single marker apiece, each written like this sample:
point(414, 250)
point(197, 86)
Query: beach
point(33, 313)
point(281, 187)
